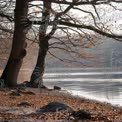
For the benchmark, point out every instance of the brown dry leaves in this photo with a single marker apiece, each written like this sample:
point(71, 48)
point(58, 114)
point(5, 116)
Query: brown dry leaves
point(100, 112)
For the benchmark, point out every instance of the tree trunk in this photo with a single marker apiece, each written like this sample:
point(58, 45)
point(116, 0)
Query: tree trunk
point(18, 51)
point(37, 75)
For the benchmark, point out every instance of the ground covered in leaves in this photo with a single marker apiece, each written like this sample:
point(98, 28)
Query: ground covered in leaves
point(21, 105)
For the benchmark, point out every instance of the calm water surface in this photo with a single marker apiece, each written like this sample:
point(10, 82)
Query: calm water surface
point(103, 84)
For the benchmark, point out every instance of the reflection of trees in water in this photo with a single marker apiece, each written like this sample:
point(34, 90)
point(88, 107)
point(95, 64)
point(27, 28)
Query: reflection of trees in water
point(110, 90)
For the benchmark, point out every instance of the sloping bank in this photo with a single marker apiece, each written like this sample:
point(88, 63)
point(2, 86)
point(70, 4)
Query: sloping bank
point(30, 105)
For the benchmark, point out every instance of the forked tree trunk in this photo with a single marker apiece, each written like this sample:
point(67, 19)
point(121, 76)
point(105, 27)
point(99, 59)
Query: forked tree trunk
point(37, 75)
point(18, 51)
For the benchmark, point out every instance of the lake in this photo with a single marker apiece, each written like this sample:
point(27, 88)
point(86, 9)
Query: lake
point(103, 84)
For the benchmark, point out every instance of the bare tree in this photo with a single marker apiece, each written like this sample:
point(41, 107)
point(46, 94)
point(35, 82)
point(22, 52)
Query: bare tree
point(18, 51)
point(60, 15)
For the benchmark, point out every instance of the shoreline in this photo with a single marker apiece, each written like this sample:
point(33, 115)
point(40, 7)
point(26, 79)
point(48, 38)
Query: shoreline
point(88, 98)
point(104, 112)
point(97, 100)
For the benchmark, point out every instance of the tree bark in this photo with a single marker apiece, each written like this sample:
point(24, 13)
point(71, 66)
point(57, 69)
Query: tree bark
point(18, 51)
point(37, 75)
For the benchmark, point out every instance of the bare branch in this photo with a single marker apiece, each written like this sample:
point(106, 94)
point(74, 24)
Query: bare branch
point(92, 28)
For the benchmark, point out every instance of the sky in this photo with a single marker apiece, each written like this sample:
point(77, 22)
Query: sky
point(108, 15)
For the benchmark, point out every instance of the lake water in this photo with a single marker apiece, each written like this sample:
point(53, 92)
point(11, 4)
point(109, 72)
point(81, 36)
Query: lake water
point(103, 84)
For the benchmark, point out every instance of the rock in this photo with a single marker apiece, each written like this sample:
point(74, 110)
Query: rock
point(54, 107)
point(81, 114)
point(25, 104)
point(57, 88)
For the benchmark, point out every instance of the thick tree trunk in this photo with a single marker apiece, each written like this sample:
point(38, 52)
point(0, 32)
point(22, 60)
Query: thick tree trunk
point(37, 75)
point(18, 51)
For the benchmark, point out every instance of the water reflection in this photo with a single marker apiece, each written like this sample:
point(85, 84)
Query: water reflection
point(110, 92)
point(105, 87)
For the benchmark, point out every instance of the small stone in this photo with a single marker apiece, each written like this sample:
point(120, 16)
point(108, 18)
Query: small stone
point(57, 88)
